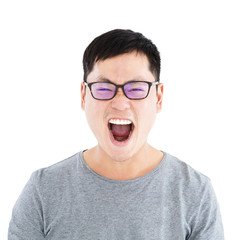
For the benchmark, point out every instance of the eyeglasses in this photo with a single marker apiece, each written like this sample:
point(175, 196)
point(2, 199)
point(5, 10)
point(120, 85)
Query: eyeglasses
point(134, 90)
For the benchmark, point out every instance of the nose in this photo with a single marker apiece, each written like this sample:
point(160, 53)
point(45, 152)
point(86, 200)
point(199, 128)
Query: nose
point(120, 101)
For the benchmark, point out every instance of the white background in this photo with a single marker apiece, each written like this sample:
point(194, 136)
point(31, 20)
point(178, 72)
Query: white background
point(41, 47)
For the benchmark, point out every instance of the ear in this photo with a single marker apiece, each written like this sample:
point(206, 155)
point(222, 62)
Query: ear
point(83, 95)
point(159, 97)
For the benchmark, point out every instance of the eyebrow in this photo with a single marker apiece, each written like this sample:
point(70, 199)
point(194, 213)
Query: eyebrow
point(104, 79)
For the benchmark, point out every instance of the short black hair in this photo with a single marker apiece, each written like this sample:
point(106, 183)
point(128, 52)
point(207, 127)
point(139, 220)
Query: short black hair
point(119, 41)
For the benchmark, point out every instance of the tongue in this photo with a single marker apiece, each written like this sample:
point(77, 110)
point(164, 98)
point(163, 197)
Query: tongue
point(121, 132)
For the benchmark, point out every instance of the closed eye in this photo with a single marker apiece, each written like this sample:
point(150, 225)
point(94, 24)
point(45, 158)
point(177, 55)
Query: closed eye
point(136, 90)
point(104, 89)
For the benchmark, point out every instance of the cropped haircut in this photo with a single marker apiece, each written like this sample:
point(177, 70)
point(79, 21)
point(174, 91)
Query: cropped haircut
point(119, 41)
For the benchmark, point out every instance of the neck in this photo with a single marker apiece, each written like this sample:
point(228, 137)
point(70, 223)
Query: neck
point(133, 167)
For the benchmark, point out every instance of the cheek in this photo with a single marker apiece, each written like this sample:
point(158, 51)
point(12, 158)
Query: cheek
point(149, 110)
point(94, 114)
point(146, 115)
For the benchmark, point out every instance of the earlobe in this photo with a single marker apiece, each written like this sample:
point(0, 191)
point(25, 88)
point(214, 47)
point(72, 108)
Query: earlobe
point(83, 94)
point(159, 97)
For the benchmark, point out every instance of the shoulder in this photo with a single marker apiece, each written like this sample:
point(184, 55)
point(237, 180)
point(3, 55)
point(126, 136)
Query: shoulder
point(57, 172)
point(193, 191)
point(183, 172)
point(186, 183)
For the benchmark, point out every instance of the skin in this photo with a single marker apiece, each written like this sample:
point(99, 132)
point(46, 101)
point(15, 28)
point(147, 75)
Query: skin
point(137, 157)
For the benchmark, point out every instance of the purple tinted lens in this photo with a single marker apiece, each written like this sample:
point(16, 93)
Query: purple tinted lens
point(103, 90)
point(136, 90)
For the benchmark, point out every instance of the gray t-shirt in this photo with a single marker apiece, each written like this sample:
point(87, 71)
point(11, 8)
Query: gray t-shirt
point(70, 201)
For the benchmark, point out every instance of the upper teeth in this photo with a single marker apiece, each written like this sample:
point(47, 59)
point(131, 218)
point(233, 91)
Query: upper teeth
point(119, 121)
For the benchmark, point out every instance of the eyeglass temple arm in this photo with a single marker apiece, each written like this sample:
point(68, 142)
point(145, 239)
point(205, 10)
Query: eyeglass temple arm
point(155, 83)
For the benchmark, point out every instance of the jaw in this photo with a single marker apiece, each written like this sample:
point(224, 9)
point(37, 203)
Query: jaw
point(128, 151)
point(125, 149)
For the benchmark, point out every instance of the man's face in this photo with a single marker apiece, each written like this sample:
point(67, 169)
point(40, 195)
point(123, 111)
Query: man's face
point(141, 113)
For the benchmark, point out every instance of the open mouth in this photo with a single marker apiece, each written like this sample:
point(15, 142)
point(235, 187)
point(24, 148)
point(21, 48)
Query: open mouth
point(121, 130)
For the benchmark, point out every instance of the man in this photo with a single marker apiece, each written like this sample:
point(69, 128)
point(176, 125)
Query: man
point(122, 188)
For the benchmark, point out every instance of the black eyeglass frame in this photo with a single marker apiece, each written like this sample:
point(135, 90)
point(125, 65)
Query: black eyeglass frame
point(122, 87)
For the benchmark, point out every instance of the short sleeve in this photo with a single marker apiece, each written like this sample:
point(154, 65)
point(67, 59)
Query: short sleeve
point(27, 217)
point(207, 222)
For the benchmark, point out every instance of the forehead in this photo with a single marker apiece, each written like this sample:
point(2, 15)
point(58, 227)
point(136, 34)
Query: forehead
point(122, 68)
